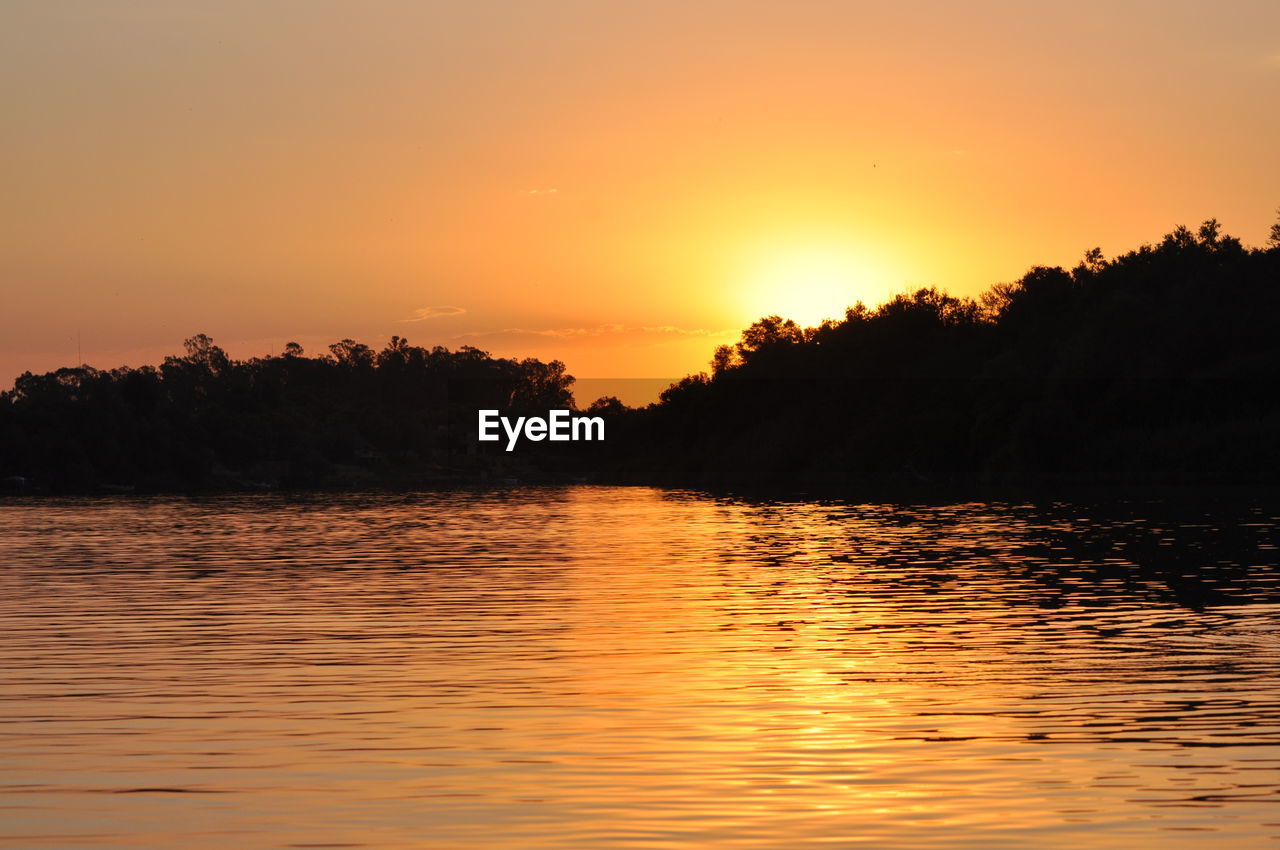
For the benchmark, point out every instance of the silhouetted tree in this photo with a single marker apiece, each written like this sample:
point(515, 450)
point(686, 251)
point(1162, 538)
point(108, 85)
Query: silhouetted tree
point(203, 353)
point(352, 354)
point(725, 358)
point(770, 332)
point(607, 405)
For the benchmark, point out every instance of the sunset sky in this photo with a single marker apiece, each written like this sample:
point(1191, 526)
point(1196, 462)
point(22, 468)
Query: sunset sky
point(620, 186)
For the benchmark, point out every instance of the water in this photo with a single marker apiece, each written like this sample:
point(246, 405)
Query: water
point(595, 667)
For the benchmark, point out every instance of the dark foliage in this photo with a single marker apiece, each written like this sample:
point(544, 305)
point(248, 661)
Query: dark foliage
point(401, 415)
point(1160, 366)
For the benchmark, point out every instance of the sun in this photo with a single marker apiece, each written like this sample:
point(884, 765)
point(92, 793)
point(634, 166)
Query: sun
point(807, 283)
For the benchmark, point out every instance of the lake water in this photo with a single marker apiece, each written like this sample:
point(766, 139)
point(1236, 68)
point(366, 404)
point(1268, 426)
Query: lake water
point(597, 667)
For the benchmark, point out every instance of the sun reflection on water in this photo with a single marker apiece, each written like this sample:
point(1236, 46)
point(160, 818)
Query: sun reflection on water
point(596, 666)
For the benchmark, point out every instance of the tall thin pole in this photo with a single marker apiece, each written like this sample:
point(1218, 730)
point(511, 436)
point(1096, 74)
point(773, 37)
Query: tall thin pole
point(79, 356)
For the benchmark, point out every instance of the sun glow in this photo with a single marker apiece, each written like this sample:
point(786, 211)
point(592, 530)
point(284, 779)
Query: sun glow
point(809, 283)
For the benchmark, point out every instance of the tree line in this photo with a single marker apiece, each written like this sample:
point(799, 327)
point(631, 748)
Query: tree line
point(1157, 366)
point(350, 417)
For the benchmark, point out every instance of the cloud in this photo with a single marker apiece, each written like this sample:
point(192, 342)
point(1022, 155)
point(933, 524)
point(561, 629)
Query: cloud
point(424, 313)
point(602, 330)
point(668, 329)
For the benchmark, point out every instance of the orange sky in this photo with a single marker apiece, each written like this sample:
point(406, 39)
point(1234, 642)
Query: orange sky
point(621, 187)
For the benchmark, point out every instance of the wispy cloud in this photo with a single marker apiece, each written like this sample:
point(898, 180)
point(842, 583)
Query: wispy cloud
point(601, 330)
point(424, 313)
point(674, 331)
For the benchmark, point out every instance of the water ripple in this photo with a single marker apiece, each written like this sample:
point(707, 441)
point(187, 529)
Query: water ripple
point(594, 667)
